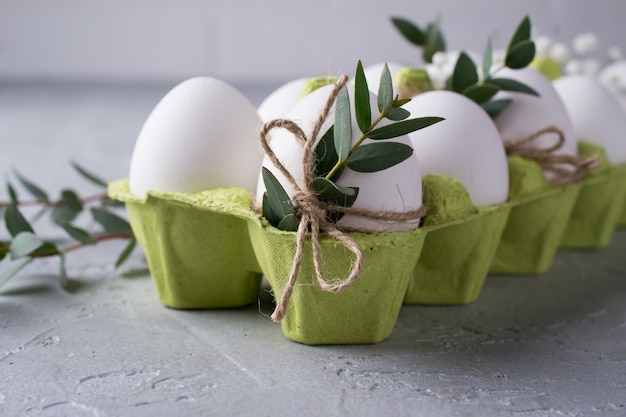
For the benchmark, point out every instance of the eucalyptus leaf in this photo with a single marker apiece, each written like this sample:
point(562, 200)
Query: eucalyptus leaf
point(270, 215)
point(15, 221)
point(325, 154)
point(12, 194)
point(62, 269)
point(402, 128)
point(487, 59)
point(410, 31)
point(435, 42)
point(33, 189)
point(343, 124)
point(507, 84)
point(520, 55)
point(71, 200)
point(481, 93)
point(385, 91)
point(362, 110)
point(47, 249)
point(24, 244)
point(277, 198)
point(111, 223)
point(330, 190)
point(128, 250)
point(465, 73)
point(495, 107)
point(13, 270)
point(289, 223)
point(378, 156)
point(522, 34)
point(78, 234)
point(397, 114)
point(63, 214)
point(4, 249)
point(89, 176)
point(400, 102)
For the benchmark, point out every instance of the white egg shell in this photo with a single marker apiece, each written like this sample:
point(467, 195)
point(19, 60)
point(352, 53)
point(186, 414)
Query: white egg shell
point(614, 77)
point(528, 114)
point(373, 72)
point(200, 136)
point(281, 101)
point(395, 189)
point(465, 146)
point(595, 113)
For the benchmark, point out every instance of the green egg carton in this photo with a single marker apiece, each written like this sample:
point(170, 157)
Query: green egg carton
point(600, 206)
point(537, 221)
point(460, 244)
point(196, 245)
point(364, 313)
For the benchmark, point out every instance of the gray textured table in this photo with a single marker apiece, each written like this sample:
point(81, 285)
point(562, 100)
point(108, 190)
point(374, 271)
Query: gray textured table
point(551, 345)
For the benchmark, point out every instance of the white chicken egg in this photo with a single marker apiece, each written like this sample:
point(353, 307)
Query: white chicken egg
point(528, 114)
point(614, 77)
point(200, 136)
point(465, 146)
point(596, 115)
point(395, 189)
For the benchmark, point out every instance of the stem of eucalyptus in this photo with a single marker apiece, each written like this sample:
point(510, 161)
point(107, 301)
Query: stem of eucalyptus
point(58, 203)
point(78, 245)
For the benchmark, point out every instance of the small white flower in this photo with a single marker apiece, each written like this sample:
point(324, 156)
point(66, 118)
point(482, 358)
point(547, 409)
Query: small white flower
point(614, 54)
point(440, 59)
point(574, 67)
point(560, 53)
point(542, 44)
point(590, 67)
point(585, 43)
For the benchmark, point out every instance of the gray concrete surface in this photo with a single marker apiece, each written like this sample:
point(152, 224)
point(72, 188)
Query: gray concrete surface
point(551, 345)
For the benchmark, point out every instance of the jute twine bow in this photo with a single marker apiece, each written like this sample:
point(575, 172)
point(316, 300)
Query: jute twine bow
point(312, 212)
point(580, 165)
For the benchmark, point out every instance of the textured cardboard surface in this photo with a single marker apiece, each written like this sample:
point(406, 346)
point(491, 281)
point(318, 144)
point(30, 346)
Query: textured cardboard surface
point(196, 245)
point(460, 244)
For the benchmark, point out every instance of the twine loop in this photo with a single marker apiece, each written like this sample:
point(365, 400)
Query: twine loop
point(313, 213)
point(579, 165)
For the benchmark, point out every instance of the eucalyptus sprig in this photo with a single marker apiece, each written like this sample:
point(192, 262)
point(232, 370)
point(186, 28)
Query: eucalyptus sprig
point(335, 151)
point(430, 40)
point(482, 86)
point(25, 245)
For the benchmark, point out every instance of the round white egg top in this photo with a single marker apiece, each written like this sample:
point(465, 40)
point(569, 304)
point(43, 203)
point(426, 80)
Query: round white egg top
point(595, 113)
point(397, 189)
point(528, 114)
point(465, 146)
point(200, 136)
point(278, 103)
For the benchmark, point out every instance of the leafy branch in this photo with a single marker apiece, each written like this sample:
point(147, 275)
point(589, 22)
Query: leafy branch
point(431, 40)
point(335, 151)
point(25, 245)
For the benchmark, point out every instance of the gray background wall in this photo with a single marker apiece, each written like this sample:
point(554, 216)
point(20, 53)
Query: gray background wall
point(269, 41)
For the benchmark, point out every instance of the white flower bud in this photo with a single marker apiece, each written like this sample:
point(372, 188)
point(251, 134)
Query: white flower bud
point(559, 52)
point(614, 54)
point(573, 67)
point(542, 44)
point(440, 59)
point(585, 43)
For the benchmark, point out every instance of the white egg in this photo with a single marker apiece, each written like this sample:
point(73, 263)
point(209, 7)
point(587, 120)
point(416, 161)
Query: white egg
point(395, 189)
point(373, 72)
point(200, 136)
point(595, 113)
point(614, 77)
point(281, 101)
point(528, 114)
point(465, 146)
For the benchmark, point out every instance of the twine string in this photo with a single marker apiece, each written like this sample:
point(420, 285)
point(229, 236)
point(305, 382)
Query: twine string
point(313, 213)
point(556, 164)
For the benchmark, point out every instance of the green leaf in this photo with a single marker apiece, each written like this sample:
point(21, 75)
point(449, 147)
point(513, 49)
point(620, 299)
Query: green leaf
point(15, 221)
point(13, 270)
point(24, 244)
point(78, 234)
point(481, 93)
point(89, 176)
point(111, 223)
point(70, 208)
point(47, 249)
point(362, 110)
point(343, 124)
point(512, 85)
point(495, 107)
point(522, 34)
point(272, 217)
point(385, 91)
point(520, 55)
point(326, 156)
point(62, 269)
point(465, 73)
point(402, 128)
point(378, 156)
point(397, 114)
point(34, 190)
point(289, 223)
point(4, 249)
point(128, 250)
point(71, 200)
point(435, 42)
point(277, 198)
point(330, 190)
point(400, 102)
point(12, 194)
point(410, 32)
point(487, 59)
